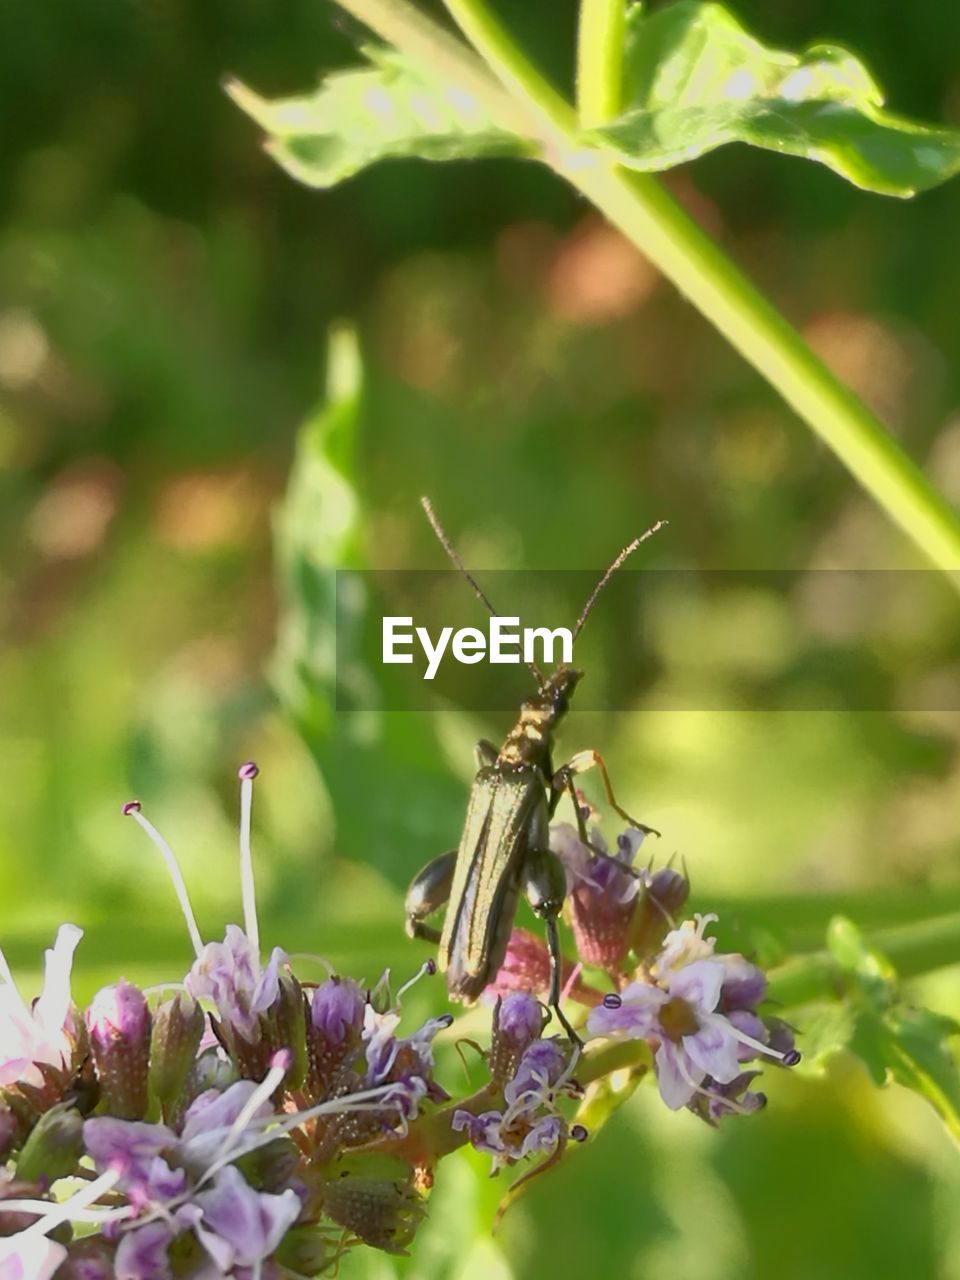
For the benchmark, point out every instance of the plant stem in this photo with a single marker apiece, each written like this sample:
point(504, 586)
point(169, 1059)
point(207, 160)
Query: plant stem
point(914, 949)
point(599, 60)
point(653, 221)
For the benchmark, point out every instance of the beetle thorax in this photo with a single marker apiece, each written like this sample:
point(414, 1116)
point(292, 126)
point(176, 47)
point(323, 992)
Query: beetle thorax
point(529, 741)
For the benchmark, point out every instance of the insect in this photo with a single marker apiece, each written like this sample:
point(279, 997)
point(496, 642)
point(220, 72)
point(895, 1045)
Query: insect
point(505, 846)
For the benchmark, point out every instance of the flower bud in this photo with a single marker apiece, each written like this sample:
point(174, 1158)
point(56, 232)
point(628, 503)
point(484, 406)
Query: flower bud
point(517, 1021)
point(305, 1250)
point(118, 1021)
point(780, 1039)
point(270, 1166)
point(744, 985)
point(336, 1010)
point(54, 1147)
point(209, 1071)
point(334, 1032)
point(526, 966)
point(383, 1211)
point(603, 901)
point(282, 1025)
point(659, 905)
point(177, 1030)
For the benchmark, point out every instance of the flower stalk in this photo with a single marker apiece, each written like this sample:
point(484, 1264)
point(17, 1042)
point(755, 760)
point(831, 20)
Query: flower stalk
point(654, 222)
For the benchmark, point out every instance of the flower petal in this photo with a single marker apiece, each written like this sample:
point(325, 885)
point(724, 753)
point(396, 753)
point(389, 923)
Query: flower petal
point(699, 984)
point(714, 1048)
point(677, 1077)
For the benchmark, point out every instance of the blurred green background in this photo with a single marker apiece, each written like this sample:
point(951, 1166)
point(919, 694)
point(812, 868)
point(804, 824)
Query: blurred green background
point(166, 296)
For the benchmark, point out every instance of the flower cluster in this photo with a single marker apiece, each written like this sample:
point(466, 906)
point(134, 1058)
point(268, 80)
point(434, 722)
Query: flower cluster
point(699, 1011)
point(219, 1126)
point(244, 1123)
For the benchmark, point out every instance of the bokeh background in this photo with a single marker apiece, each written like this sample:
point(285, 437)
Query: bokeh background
point(166, 301)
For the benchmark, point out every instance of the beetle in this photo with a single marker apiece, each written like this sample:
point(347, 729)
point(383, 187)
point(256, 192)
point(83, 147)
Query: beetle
point(505, 846)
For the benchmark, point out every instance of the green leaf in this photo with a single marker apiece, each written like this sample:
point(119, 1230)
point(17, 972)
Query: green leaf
point(394, 800)
point(392, 109)
point(695, 79)
point(894, 1040)
point(911, 1046)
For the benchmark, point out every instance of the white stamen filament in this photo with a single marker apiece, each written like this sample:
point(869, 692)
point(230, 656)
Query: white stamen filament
point(42, 1209)
point(250, 924)
point(65, 1212)
point(428, 966)
point(176, 875)
point(742, 1036)
point(252, 1105)
point(272, 1125)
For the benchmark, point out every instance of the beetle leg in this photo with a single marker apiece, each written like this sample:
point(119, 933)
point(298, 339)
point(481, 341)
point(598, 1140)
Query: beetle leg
point(486, 754)
point(429, 890)
point(580, 763)
point(544, 886)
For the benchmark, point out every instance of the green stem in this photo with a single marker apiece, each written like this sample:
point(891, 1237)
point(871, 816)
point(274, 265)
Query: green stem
point(914, 949)
point(673, 242)
point(599, 60)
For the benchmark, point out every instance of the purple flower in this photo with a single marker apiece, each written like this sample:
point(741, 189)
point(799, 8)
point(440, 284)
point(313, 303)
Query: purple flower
point(699, 1048)
point(517, 1021)
point(237, 1225)
point(602, 893)
point(337, 1009)
point(744, 985)
point(509, 1139)
point(142, 1253)
point(136, 1151)
point(407, 1062)
point(540, 1070)
point(530, 1120)
point(713, 1100)
point(230, 974)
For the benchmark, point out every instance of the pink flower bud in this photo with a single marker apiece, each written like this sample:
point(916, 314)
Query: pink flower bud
point(118, 1022)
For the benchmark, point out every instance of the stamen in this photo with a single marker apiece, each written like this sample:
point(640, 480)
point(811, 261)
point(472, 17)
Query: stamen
point(64, 1212)
point(280, 1065)
point(703, 920)
point(579, 1133)
point(246, 773)
point(612, 1001)
point(367, 1100)
point(426, 970)
point(571, 981)
point(744, 1038)
point(132, 810)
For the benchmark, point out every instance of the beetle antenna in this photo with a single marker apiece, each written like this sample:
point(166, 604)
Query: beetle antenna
point(627, 551)
point(478, 591)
